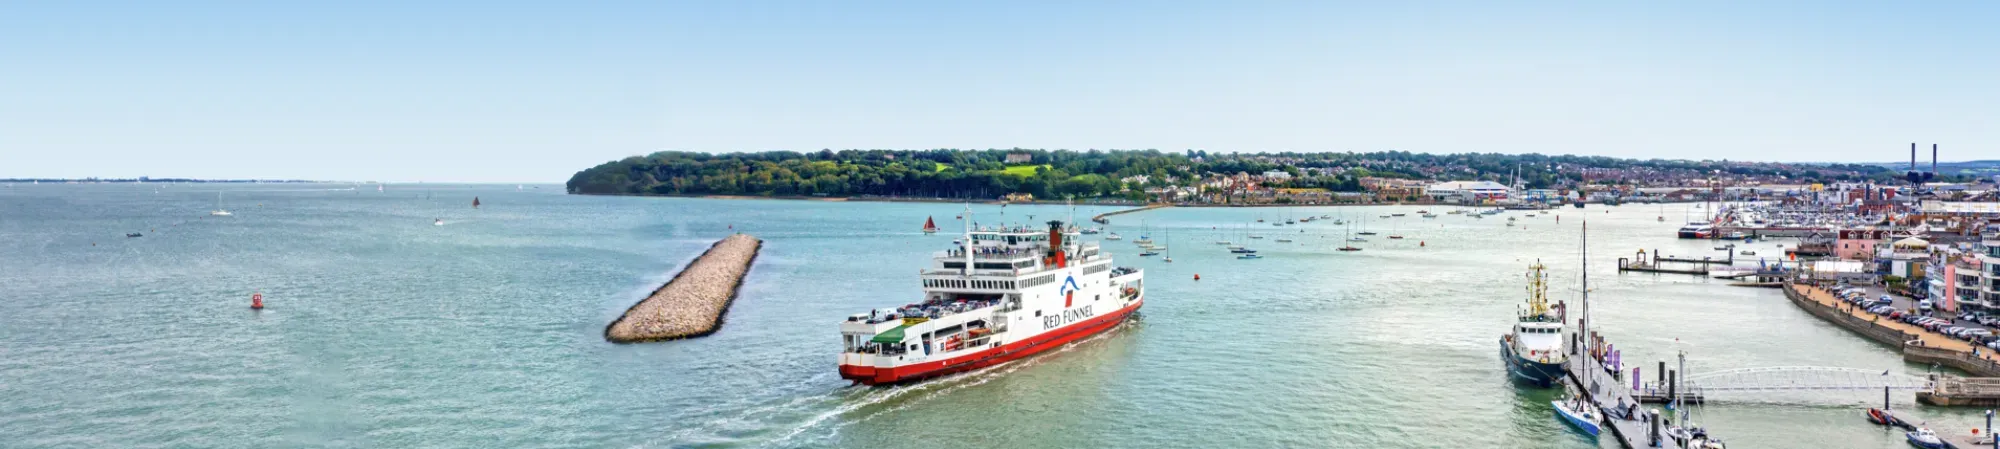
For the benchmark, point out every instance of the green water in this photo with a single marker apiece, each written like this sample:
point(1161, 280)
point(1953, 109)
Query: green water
point(386, 331)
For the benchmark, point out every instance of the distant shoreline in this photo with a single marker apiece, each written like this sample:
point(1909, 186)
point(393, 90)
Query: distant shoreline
point(163, 181)
point(885, 199)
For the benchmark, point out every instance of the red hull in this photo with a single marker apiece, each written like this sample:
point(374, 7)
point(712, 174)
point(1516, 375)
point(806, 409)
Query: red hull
point(1048, 340)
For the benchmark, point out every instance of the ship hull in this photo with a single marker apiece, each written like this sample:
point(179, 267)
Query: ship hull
point(1532, 372)
point(1055, 338)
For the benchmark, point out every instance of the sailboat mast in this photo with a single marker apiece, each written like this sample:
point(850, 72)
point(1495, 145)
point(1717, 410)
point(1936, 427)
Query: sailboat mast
point(1583, 324)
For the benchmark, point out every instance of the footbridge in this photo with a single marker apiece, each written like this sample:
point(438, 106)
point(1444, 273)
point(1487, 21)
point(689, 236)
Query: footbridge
point(1806, 378)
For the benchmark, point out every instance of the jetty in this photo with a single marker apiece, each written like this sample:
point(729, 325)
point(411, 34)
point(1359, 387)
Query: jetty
point(692, 304)
point(1658, 263)
point(1916, 344)
point(1104, 218)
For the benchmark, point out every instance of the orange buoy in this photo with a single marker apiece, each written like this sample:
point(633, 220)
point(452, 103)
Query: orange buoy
point(257, 301)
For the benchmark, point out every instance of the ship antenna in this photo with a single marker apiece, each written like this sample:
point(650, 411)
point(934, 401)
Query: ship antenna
point(968, 239)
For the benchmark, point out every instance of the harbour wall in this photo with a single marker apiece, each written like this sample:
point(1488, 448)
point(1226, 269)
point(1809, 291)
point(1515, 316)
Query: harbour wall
point(693, 303)
point(1100, 218)
point(1867, 328)
point(1914, 346)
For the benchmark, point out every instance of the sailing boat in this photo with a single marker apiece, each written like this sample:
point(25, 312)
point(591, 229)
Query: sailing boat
point(930, 226)
point(1169, 248)
point(219, 211)
point(475, 202)
point(1351, 238)
point(1392, 233)
point(1364, 226)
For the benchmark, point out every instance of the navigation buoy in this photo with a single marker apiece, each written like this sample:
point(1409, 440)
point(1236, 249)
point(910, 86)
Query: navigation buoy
point(257, 301)
point(1197, 276)
point(1420, 244)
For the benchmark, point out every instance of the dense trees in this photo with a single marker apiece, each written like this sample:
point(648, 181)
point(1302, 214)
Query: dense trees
point(1055, 174)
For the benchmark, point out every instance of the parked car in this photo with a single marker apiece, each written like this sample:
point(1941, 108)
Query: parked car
point(1924, 305)
point(1978, 333)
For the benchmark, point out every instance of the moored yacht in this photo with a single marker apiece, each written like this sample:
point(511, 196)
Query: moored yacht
point(1004, 294)
point(1697, 231)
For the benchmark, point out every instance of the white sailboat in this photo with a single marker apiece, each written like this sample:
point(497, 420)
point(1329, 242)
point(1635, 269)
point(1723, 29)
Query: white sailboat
point(219, 211)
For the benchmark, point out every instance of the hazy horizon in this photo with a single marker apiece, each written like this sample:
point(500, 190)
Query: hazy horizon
point(532, 93)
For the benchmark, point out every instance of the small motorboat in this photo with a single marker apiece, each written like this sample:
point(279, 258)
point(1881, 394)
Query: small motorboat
point(1366, 233)
point(1881, 417)
point(1747, 253)
point(1284, 240)
point(1113, 236)
point(133, 235)
point(1243, 251)
point(1349, 248)
point(1249, 256)
point(1430, 215)
point(1356, 239)
point(1580, 415)
point(1924, 438)
point(437, 222)
point(1395, 237)
point(1149, 253)
point(1397, 215)
point(1258, 237)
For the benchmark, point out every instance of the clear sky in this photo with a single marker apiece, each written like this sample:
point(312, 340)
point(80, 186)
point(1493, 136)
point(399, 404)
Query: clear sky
point(532, 92)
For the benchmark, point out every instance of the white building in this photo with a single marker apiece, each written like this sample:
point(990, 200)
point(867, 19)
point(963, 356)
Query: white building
point(1277, 175)
point(1467, 191)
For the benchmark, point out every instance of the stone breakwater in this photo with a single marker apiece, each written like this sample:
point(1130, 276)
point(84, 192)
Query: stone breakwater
point(692, 304)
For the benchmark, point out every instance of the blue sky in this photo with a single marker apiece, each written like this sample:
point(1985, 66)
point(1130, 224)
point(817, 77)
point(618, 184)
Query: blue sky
point(532, 92)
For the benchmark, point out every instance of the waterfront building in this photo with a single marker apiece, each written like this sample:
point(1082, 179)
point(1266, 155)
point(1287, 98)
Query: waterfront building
point(1467, 191)
point(1989, 259)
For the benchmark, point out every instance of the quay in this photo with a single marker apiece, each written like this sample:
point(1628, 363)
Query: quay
point(1104, 218)
point(1917, 345)
point(692, 304)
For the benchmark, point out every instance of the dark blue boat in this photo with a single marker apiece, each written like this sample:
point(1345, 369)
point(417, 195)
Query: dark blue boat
point(1533, 349)
point(1530, 371)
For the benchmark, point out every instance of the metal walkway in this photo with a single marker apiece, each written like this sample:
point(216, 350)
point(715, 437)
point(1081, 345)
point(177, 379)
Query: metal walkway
point(1801, 378)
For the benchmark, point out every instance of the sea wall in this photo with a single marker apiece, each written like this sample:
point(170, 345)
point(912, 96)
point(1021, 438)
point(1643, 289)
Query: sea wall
point(1930, 349)
point(693, 303)
point(1100, 218)
point(1867, 328)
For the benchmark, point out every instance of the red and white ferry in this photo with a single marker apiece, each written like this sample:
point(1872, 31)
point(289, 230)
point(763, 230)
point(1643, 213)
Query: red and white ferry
point(1002, 294)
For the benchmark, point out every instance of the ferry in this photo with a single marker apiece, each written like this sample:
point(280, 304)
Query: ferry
point(1697, 231)
point(1005, 294)
point(1533, 349)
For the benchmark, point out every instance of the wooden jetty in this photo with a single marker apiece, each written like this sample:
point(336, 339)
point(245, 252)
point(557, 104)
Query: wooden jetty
point(692, 304)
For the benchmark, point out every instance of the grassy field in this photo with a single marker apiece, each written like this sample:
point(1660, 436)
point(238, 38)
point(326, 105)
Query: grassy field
point(1023, 170)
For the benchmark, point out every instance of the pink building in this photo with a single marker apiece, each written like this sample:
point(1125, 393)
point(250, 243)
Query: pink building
point(1858, 244)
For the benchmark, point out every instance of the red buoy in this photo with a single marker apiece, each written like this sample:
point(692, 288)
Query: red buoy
point(1197, 276)
point(1420, 244)
point(256, 301)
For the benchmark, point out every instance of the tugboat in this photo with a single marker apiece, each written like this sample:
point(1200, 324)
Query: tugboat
point(1004, 294)
point(1533, 349)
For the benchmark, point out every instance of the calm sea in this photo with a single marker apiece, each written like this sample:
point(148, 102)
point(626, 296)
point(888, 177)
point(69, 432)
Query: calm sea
point(384, 330)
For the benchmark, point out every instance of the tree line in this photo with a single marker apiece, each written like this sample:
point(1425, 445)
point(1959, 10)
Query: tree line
point(1047, 174)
